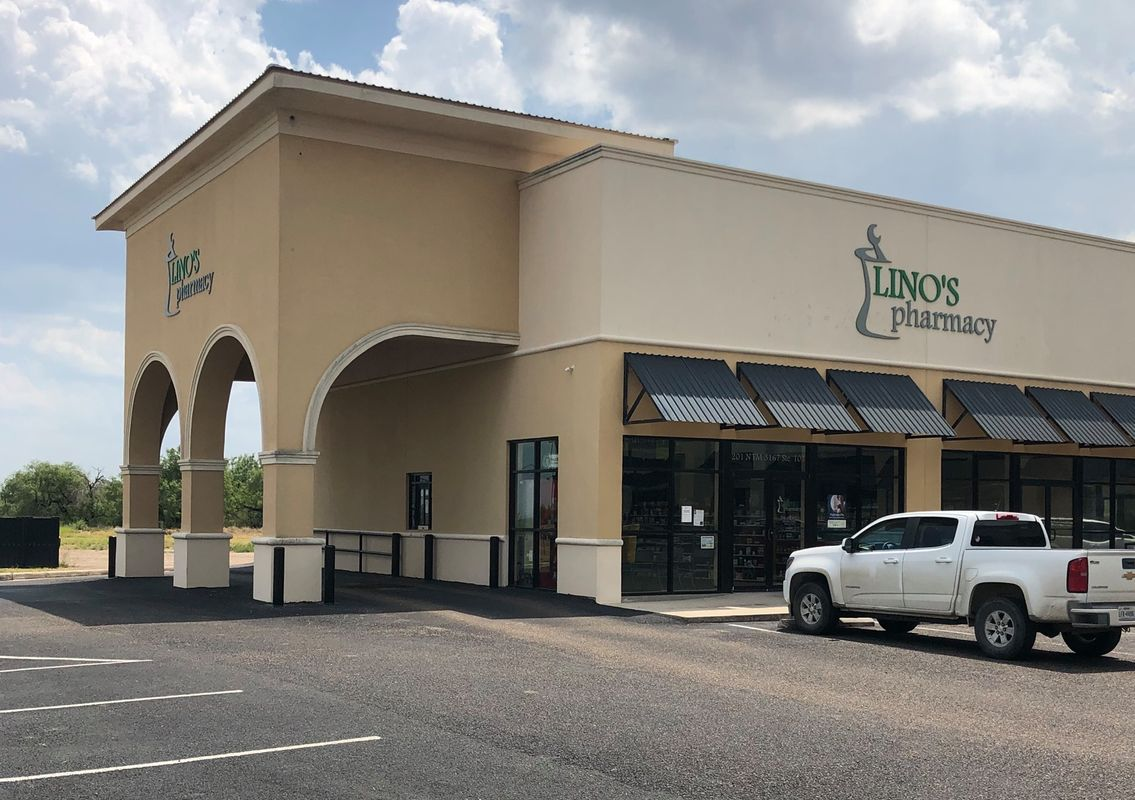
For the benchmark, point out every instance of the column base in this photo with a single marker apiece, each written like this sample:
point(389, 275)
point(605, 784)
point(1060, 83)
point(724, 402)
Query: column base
point(590, 568)
point(200, 560)
point(139, 553)
point(303, 569)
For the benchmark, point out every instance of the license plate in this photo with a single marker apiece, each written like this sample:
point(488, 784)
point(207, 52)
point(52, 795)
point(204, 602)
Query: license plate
point(1126, 614)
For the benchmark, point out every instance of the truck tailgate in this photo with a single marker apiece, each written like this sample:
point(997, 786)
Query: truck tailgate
point(1111, 576)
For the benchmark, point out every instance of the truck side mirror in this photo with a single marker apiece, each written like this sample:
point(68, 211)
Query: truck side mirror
point(848, 545)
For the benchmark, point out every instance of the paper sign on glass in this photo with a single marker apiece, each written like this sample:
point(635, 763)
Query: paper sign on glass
point(699, 518)
point(687, 514)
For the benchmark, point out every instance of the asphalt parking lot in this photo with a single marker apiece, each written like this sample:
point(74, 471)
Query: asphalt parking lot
point(411, 690)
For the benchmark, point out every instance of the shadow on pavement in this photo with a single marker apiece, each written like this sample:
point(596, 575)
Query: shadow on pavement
point(140, 601)
point(925, 641)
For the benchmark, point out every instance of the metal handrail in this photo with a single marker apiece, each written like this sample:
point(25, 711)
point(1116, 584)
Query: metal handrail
point(394, 554)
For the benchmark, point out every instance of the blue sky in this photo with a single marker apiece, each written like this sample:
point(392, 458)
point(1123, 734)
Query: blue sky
point(1020, 109)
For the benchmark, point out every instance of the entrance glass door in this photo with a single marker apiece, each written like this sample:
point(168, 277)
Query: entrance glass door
point(768, 524)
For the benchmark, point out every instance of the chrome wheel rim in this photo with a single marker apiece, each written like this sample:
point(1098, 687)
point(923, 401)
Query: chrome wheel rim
point(999, 629)
point(811, 609)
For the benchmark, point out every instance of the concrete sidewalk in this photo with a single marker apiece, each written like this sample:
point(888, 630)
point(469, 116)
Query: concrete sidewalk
point(737, 607)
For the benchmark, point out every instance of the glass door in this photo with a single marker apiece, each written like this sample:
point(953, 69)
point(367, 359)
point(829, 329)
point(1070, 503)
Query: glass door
point(768, 524)
point(533, 500)
point(786, 523)
point(750, 527)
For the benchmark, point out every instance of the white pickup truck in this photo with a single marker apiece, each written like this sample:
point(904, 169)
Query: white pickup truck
point(992, 570)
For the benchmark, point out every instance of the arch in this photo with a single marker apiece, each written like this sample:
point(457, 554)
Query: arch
point(403, 329)
point(154, 399)
point(218, 364)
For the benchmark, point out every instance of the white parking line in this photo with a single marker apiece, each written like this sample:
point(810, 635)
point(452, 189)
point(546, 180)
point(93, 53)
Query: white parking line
point(192, 759)
point(56, 658)
point(106, 663)
point(751, 628)
point(119, 702)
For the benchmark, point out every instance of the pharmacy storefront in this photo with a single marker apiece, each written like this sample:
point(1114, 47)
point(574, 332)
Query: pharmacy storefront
point(505, 350)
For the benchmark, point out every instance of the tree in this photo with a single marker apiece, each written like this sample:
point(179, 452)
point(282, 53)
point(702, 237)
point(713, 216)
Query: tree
point(45, 490)
point(169, 490)
point(244, 492)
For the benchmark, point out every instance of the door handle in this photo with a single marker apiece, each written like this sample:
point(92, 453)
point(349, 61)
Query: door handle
point(891, 560)
point(943, 560)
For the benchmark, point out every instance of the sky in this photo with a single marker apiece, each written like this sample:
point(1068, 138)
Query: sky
point(1019, 109)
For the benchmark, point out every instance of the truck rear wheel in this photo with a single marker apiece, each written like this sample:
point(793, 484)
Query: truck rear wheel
point(1003, 629)
point(812, 609)
point(1092, 644)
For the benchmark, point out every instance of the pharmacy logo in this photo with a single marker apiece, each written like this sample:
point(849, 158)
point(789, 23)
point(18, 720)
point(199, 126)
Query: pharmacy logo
point(921, 292)
point(182, 283)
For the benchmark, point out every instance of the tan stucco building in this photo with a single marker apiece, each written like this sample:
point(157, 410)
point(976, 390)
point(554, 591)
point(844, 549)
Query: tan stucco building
point(437, 302)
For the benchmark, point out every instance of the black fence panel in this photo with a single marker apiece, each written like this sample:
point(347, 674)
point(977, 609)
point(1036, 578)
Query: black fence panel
point(29, 541)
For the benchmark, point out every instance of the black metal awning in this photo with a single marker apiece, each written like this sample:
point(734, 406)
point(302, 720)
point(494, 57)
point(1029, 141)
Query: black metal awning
point(1002, 411)
point(890, 404)
point(688, 390)
point(1080, 420)
point(797, 397)
point(1120, 407)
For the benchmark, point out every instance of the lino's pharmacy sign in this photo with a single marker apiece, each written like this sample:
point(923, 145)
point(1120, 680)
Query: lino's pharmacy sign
point(185, 278)
point(912, 299)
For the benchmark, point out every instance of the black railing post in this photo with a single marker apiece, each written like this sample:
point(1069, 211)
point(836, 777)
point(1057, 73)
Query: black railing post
point(494, 561)
point(428, 569)
point(361, 548)
point(396, 554)
point(111, 556)
point(328, 573)
point(277, 576)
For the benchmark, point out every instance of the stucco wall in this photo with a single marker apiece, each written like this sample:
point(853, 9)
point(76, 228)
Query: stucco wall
point(717, 258)
point(234, 221)
point(372, 238)
point(455, 424)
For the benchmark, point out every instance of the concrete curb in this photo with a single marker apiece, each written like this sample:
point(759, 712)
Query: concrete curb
point(55, 573)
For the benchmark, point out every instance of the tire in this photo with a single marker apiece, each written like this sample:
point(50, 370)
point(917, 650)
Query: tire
point(893, 625)
point(812, 609)
point(1093, 644)
point(1003, 629)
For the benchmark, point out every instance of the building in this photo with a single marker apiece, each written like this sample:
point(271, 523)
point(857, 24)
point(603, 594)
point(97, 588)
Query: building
point(637, 373)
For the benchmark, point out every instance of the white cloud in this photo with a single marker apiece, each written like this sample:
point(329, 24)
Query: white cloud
point(451, 50)
point(12, 138)
point(19, 392)
point(85, 170)
point(69, 342)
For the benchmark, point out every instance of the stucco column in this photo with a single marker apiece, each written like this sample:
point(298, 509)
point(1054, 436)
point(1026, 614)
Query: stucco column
point(139, 551)
point(924, 475)
point(289, 517)
point(201, 548)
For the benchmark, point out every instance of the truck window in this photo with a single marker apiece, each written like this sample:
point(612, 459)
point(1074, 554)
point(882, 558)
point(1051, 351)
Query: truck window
point(886, 535)
point(1007, 533)
point(934, 532)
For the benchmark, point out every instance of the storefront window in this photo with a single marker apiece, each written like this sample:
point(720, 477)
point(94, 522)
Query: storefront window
point(703, 515)
point(1104, 493)
point(975, 481)
point(854, 487)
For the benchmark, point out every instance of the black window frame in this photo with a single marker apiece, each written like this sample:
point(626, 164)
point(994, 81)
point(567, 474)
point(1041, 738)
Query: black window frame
point(414, 513)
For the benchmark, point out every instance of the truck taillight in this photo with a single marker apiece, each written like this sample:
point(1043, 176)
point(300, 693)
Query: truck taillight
point(1008, 516)
point(1078, 576)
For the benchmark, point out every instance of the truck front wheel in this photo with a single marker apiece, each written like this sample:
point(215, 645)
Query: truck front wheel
point(1093, 644)
point(812, 609)
point(1003, 629)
